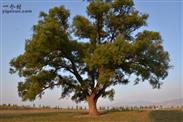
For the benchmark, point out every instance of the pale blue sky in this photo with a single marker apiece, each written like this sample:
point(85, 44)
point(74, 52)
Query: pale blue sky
point(165, 17)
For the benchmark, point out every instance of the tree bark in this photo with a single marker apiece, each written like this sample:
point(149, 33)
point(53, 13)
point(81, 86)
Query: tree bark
point(92, 105)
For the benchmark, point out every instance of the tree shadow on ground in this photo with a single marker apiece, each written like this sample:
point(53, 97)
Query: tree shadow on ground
point(166, 116)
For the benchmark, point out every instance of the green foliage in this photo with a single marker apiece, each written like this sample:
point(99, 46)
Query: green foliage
point(52, 58)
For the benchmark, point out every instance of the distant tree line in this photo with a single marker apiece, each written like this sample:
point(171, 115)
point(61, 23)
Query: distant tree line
point(101, 108)
point(14, 106)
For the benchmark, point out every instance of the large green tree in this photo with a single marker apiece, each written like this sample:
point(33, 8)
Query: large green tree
point(113, 53)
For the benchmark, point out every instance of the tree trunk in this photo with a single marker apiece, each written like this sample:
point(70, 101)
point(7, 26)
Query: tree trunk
point(92, 108)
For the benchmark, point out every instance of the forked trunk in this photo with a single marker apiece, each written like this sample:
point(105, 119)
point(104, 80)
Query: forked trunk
point(92, 108)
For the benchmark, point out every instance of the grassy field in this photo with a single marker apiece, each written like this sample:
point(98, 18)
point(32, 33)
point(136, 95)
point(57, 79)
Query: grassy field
point(71, 116)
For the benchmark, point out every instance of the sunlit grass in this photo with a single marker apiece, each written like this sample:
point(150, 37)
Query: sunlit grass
point(74, 116)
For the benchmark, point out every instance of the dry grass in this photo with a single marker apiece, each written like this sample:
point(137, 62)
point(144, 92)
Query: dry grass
point(78, 116)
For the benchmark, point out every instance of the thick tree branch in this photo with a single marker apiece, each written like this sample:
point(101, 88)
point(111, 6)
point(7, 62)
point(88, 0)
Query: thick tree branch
point(99, 91)
point(75, 72)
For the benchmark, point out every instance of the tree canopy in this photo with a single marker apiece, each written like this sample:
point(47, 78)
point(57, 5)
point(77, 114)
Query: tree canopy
point(114, 52)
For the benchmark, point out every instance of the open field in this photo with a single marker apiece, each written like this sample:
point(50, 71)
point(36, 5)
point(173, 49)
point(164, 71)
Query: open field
point(75, 116)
